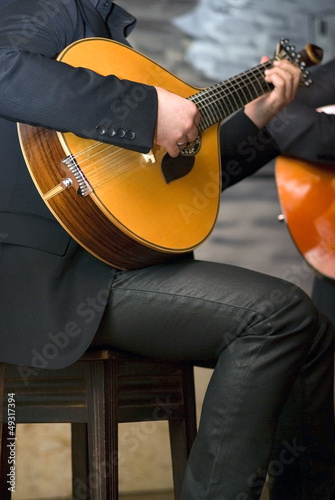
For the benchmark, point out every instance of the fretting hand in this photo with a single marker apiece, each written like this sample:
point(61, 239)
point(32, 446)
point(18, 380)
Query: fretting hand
point(285, 77)
point(178, 118)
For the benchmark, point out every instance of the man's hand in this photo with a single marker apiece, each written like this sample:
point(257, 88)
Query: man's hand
point(286, 78)
point(177, 121)
point(178, 118)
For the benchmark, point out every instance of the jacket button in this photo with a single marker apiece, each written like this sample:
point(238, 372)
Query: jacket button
point(130, 135)
point(111, 131)
point(101, 130)
point(120, 132)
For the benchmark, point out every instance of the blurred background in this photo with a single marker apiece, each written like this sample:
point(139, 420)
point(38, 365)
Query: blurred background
point(201, 42)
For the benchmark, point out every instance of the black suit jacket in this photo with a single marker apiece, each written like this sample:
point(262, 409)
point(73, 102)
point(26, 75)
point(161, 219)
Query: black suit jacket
point(53, 293)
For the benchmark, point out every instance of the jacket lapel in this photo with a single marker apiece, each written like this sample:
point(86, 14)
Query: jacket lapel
point(107, 19)
point(93, 18)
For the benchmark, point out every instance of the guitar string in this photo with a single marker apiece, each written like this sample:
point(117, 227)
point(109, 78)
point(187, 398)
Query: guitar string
point(102, 166)
point(220, 92)
point(208, 99)
point(211, 112)
point(210, 107)
point(210, 103)
point(234, 83)
point(203, 104)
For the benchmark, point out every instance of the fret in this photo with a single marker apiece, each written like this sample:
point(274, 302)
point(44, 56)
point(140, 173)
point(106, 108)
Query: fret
point(232, 93)
point(248, 91)
point(222, 99)
point(203, 104)
point(213, 104)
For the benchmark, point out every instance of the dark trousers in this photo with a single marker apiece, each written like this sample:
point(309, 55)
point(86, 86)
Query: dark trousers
point(269, 403)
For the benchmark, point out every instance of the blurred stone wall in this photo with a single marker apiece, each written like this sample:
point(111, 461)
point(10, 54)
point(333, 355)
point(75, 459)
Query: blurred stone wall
point(230, 36)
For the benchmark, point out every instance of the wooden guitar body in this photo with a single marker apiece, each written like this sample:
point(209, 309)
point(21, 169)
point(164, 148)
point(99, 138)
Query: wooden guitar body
point(307, 197)
point(141, 209)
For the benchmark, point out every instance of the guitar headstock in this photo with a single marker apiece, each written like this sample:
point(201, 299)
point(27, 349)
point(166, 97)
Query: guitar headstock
point(309, 56)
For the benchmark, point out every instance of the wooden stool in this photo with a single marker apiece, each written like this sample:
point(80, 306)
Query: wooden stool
point(94, 394)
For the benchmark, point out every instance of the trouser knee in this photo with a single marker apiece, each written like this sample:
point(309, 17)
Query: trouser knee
point(289, 309)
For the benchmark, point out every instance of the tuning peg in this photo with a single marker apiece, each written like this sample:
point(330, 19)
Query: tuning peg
point(315, 53)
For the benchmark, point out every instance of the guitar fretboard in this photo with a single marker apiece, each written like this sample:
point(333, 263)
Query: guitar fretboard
point(222, 99)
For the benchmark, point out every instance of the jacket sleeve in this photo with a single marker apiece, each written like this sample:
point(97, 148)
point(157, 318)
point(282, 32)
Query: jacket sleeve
point(299, 130)
point(244, 148)
point(37, 89)
point(302, 131)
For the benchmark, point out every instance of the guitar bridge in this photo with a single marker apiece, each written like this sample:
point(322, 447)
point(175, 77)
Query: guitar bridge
point(79, 180)
point(149, 157)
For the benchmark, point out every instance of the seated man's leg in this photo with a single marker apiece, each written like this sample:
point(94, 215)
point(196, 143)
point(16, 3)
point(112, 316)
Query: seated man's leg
point(262, 334)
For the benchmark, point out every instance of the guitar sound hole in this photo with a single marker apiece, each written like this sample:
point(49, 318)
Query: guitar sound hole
point(176, 168)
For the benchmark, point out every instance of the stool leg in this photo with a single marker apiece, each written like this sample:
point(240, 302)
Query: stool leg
point(102, 432)
point(190, 406)
point(80, 471)
point(183, 431)
point(88, 440)
point(111, 427)
point(177, 430)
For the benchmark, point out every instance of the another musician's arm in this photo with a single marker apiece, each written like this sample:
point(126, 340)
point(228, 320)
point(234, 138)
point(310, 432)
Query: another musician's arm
point(245, 145)
point(177, 120)
point(285, 77)
point(302, 131)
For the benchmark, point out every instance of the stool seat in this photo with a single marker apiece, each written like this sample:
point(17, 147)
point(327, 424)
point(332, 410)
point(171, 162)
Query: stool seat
point(102, 389)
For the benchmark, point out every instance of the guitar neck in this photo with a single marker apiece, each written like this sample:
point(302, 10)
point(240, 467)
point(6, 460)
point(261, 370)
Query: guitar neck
point(222, 99)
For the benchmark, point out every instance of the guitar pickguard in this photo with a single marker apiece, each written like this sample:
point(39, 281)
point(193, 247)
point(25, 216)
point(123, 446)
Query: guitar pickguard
point(176, 168)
